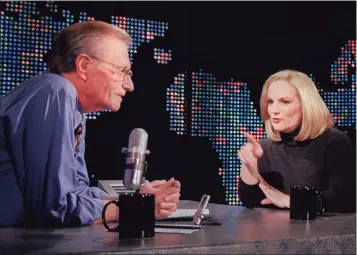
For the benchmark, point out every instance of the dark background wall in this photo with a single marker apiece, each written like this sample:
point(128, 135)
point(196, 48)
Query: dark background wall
point(234, 41)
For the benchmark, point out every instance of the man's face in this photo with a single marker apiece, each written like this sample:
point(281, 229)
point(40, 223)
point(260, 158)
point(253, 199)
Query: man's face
point(108, 77)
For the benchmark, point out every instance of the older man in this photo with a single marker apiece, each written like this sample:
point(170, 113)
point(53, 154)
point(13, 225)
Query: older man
point(43, 175)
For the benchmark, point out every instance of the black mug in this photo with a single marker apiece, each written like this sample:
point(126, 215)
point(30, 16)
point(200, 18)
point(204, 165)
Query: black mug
point(304, 203)
point(136, 215)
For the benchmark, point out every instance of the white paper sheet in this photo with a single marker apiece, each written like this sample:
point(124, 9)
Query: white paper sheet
point(175, 230)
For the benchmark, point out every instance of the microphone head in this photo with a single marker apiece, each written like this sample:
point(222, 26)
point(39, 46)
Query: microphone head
point(135, 164)
point(138, 140)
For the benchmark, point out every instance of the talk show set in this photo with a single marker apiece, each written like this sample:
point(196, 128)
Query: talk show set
point(200, 127)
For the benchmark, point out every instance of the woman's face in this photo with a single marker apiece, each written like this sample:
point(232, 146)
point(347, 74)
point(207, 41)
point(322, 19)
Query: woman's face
point(284, 106)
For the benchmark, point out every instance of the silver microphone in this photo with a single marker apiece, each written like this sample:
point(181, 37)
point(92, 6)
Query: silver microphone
point(135, 164)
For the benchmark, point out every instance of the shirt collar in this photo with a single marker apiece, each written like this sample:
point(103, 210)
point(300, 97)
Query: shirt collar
point(288, 138)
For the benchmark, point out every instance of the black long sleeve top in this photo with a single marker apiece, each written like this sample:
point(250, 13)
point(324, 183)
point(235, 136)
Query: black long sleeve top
point(327, 163)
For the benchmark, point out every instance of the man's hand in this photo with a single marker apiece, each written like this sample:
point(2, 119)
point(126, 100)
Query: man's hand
point(273, 196)
point(167, 195)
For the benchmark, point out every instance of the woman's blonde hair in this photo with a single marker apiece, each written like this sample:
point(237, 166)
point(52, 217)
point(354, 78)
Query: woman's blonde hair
point(316, 117)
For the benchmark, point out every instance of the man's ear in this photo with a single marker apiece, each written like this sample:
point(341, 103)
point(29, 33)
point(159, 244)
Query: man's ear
point(82, 65)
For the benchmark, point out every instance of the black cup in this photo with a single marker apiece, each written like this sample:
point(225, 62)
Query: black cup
point(136, 215)
point(304, 203)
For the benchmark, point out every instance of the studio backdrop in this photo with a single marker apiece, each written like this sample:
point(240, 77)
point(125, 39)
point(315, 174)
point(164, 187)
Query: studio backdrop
point(198, 72)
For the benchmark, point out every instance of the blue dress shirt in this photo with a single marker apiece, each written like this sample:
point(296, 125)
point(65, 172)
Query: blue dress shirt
point(43, 174)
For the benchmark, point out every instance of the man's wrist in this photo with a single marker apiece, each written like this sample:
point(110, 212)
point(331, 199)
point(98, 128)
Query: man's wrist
point(287, 203)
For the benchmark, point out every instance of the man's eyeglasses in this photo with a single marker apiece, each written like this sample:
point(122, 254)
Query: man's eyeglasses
point(121, 75)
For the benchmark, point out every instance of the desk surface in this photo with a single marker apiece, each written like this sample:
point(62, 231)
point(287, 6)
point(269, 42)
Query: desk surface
point(242, 231)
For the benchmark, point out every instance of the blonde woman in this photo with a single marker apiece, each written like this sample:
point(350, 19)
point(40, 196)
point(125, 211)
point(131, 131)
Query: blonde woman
point(302, 148)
